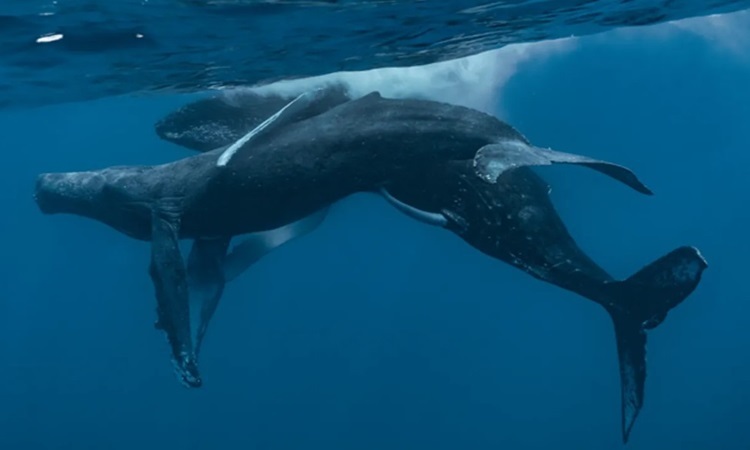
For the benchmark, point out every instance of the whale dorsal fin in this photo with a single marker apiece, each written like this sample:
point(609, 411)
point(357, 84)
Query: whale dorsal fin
point(284, 116)
point(494, 159)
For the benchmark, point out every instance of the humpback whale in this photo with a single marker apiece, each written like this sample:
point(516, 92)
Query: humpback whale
point(442, 164)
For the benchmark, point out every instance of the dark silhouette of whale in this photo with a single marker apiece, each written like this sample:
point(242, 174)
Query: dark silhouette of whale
point(442, 164)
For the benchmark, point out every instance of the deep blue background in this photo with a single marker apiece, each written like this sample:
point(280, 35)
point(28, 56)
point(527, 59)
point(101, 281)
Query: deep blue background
point(379, 332)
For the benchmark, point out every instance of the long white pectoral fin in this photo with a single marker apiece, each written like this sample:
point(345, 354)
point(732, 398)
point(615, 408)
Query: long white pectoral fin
point(284, 116)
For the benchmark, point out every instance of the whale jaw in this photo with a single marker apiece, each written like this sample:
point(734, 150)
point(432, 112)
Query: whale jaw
point(68, 192)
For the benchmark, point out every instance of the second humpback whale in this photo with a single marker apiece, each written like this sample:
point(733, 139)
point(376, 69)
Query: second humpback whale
point(446, 165)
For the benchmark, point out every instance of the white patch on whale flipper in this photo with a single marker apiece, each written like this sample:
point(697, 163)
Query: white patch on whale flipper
point(429, 218)
point(493, 160)
point(280, 118)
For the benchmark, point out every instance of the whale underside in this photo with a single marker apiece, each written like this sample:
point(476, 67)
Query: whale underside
point(492, 200)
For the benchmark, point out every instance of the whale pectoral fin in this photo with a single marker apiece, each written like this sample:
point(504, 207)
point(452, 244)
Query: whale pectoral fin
point(430, 218)
point(284, 116)
point(169, 277)
point(494, 159)
point(206, 284)
point(257, 245)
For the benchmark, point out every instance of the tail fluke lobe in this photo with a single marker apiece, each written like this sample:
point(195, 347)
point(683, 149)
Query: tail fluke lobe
point(641, 303)
point(631, 353)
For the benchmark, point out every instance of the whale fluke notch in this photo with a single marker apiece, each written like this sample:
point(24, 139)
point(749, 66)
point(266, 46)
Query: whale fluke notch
point(492, 160)
point(641, 303)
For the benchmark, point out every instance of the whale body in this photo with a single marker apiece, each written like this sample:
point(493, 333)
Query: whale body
point(442, 164)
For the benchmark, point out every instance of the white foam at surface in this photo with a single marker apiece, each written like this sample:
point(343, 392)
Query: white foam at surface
point(477, 81)
point(728, 32)
point(474, 81)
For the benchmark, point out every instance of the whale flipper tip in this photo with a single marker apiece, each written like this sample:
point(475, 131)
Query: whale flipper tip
point(492, 160)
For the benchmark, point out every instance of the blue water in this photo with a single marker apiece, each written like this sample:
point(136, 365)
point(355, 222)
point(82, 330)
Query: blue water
point(379, 332)
point(69, 50)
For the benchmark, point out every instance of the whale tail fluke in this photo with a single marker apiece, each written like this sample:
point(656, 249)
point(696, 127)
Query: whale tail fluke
point(641, 303)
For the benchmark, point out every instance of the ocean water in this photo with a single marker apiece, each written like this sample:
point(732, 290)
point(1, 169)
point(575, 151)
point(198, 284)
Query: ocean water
point(68, 50)
point(376, 331)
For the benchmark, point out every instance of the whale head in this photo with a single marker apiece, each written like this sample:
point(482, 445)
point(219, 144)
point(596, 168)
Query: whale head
point(110, 196)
